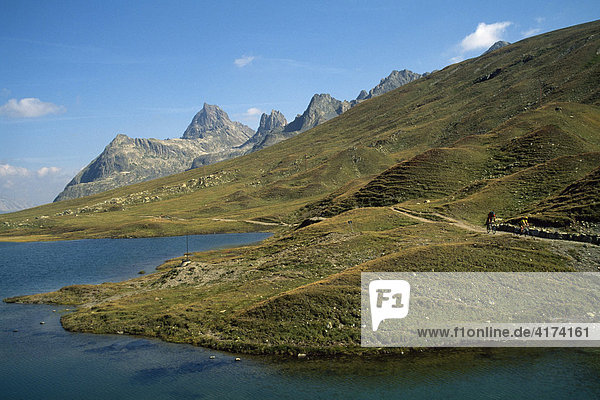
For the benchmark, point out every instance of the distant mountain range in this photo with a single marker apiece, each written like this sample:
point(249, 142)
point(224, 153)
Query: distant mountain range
point(7, 205)
point(211, 137)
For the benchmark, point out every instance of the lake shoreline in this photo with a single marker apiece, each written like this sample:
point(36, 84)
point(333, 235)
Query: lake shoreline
point(296, 292)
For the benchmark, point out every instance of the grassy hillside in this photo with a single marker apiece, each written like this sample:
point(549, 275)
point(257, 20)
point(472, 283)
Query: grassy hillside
point(296, 292)
point(441, 129)
point(516, 130)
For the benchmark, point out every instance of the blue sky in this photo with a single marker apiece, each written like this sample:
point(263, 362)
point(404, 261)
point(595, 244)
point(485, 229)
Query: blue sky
point(74, 74)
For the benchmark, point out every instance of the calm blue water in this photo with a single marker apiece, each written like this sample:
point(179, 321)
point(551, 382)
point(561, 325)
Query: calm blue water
point(45, 362)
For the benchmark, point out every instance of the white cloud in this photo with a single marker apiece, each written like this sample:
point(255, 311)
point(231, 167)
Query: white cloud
point(253, 112)
point(32, 186)
point(29, 107)
point(484, 36)
point(243, 61)
point(47, 171)
point(11, 170)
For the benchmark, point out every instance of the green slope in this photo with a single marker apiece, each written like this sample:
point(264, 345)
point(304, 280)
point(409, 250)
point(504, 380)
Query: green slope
point(462, 103)
point(456, 144)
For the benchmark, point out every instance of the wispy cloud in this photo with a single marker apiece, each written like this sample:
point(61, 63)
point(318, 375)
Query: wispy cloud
point(484, 36)
point(250, 117)
point(32, 186)
point(29, 107)
point(531, 32)
point(243, 61)
point(253, 112)
point(288, 62)
point(539, 21)
point(308, 66)
point(4, 92)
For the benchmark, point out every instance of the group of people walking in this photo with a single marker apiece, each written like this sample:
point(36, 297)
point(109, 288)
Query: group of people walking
point(490, 223)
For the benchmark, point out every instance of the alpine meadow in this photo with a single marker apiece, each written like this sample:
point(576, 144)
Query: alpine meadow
point(399, 182)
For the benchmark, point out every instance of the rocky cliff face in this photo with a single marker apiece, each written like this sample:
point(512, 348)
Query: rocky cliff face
point(496, 46)
point(211, 137)
point(391, 82)
point(217, 131)
point(322, 107)
point(127, 160)
point(270, 131)
point(272, 122)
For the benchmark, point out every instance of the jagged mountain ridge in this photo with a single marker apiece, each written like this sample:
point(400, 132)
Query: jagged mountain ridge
point(269, 132)
point(452, 145)
point(453, 119)
point(127, 160)
point(211, 137)
point(322, 107)
point(391, 82)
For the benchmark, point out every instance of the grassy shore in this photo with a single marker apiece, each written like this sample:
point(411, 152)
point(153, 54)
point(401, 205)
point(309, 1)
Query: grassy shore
point(449, 147)
point(298, 291)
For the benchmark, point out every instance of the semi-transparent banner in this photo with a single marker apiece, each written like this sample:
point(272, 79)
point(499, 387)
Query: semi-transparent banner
point(480, 309)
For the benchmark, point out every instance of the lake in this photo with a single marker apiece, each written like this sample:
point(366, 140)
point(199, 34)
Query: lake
point(46, 362)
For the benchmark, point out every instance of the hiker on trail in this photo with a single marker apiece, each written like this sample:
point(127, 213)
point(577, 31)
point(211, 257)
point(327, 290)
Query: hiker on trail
point(490, 221)
point(524, 224)
point(491, 218)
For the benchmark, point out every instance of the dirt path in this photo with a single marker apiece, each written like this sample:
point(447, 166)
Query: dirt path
point(480, 229)
point(249, 221)
point(460, 224)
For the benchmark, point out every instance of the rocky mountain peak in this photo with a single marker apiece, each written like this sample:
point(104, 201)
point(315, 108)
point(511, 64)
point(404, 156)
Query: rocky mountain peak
point(209, 138)
point(498, 45)
point(362, 95)
point(120, 139)
point(394, 80)
point(271, 122)
point(212, 121)
point(322, 107)
point(129, 160)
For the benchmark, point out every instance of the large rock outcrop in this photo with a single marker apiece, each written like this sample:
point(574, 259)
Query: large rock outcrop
point(210, 137)
point(269, 132)
point(322, 107)
point(213, 126)
point(127, 160)
point(498, 45)
point(390, 82)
